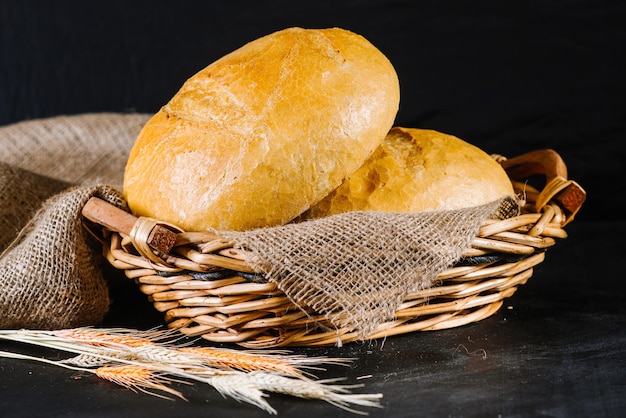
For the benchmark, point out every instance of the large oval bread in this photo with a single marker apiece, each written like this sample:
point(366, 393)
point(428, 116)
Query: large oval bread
point(261, 134)
point(416, 170)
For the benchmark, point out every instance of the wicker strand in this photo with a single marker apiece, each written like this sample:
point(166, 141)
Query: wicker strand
point(231, 308)
point(235, 310)
point(140, 237)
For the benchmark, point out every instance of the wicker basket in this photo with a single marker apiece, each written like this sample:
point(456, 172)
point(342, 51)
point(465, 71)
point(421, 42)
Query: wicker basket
point(205, 288)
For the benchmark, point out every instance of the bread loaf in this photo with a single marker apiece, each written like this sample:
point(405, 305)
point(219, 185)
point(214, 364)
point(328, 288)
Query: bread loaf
point(417, 170)
point(261, 134)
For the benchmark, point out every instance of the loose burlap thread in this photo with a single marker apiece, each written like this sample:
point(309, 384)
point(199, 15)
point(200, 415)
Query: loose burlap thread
point(355, 269)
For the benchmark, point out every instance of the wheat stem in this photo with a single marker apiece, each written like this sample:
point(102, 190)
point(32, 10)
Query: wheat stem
point(148, 362)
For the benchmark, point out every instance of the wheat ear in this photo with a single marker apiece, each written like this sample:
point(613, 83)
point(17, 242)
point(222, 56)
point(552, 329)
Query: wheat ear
point(137, 378)
point(148, 361)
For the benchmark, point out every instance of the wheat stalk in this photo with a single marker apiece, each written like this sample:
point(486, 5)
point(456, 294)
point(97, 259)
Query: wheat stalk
point(261, 381)
point(248, 361)
point(236, 385)
point(150, 361)
point(337, 395)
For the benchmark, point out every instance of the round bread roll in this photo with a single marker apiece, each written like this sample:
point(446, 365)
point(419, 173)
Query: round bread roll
point(417, 170)
point(261, 134)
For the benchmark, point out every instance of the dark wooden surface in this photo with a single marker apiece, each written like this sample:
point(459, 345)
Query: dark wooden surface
point(556, 349)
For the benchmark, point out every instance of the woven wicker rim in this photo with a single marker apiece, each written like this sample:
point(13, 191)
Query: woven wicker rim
point(205, 288)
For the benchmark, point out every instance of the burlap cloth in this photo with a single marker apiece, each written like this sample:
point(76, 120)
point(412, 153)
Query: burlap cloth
point(51, 275)
point(354, 268)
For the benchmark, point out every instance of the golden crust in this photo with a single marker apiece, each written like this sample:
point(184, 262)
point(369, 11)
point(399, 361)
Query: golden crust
point(261, 134)
point(416, 170)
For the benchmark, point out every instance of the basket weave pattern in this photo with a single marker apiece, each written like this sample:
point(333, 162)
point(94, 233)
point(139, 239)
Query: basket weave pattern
point(204, 287)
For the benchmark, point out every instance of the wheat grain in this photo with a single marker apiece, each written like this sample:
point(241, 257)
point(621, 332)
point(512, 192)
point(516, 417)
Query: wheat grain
point(231, 360)
point(239, 387)
point(166, 356)
point(138, 378)
point(110, 337)
point(336, 395)
point(271, 361)
point(86, 361)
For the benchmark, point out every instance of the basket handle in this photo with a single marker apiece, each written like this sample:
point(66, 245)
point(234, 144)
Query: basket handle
point(558, 189)
point(158, 236)
point(546, 161)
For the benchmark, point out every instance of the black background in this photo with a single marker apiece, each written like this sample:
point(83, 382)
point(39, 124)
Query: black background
point(509, 77)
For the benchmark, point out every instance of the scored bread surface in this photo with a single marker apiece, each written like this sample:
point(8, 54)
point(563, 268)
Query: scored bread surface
point(263, 133)
point(416, 170)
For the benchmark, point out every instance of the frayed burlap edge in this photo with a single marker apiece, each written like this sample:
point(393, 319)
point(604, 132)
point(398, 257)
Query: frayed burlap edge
point(356, 268)
point(51, 275)
point(50, 269)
